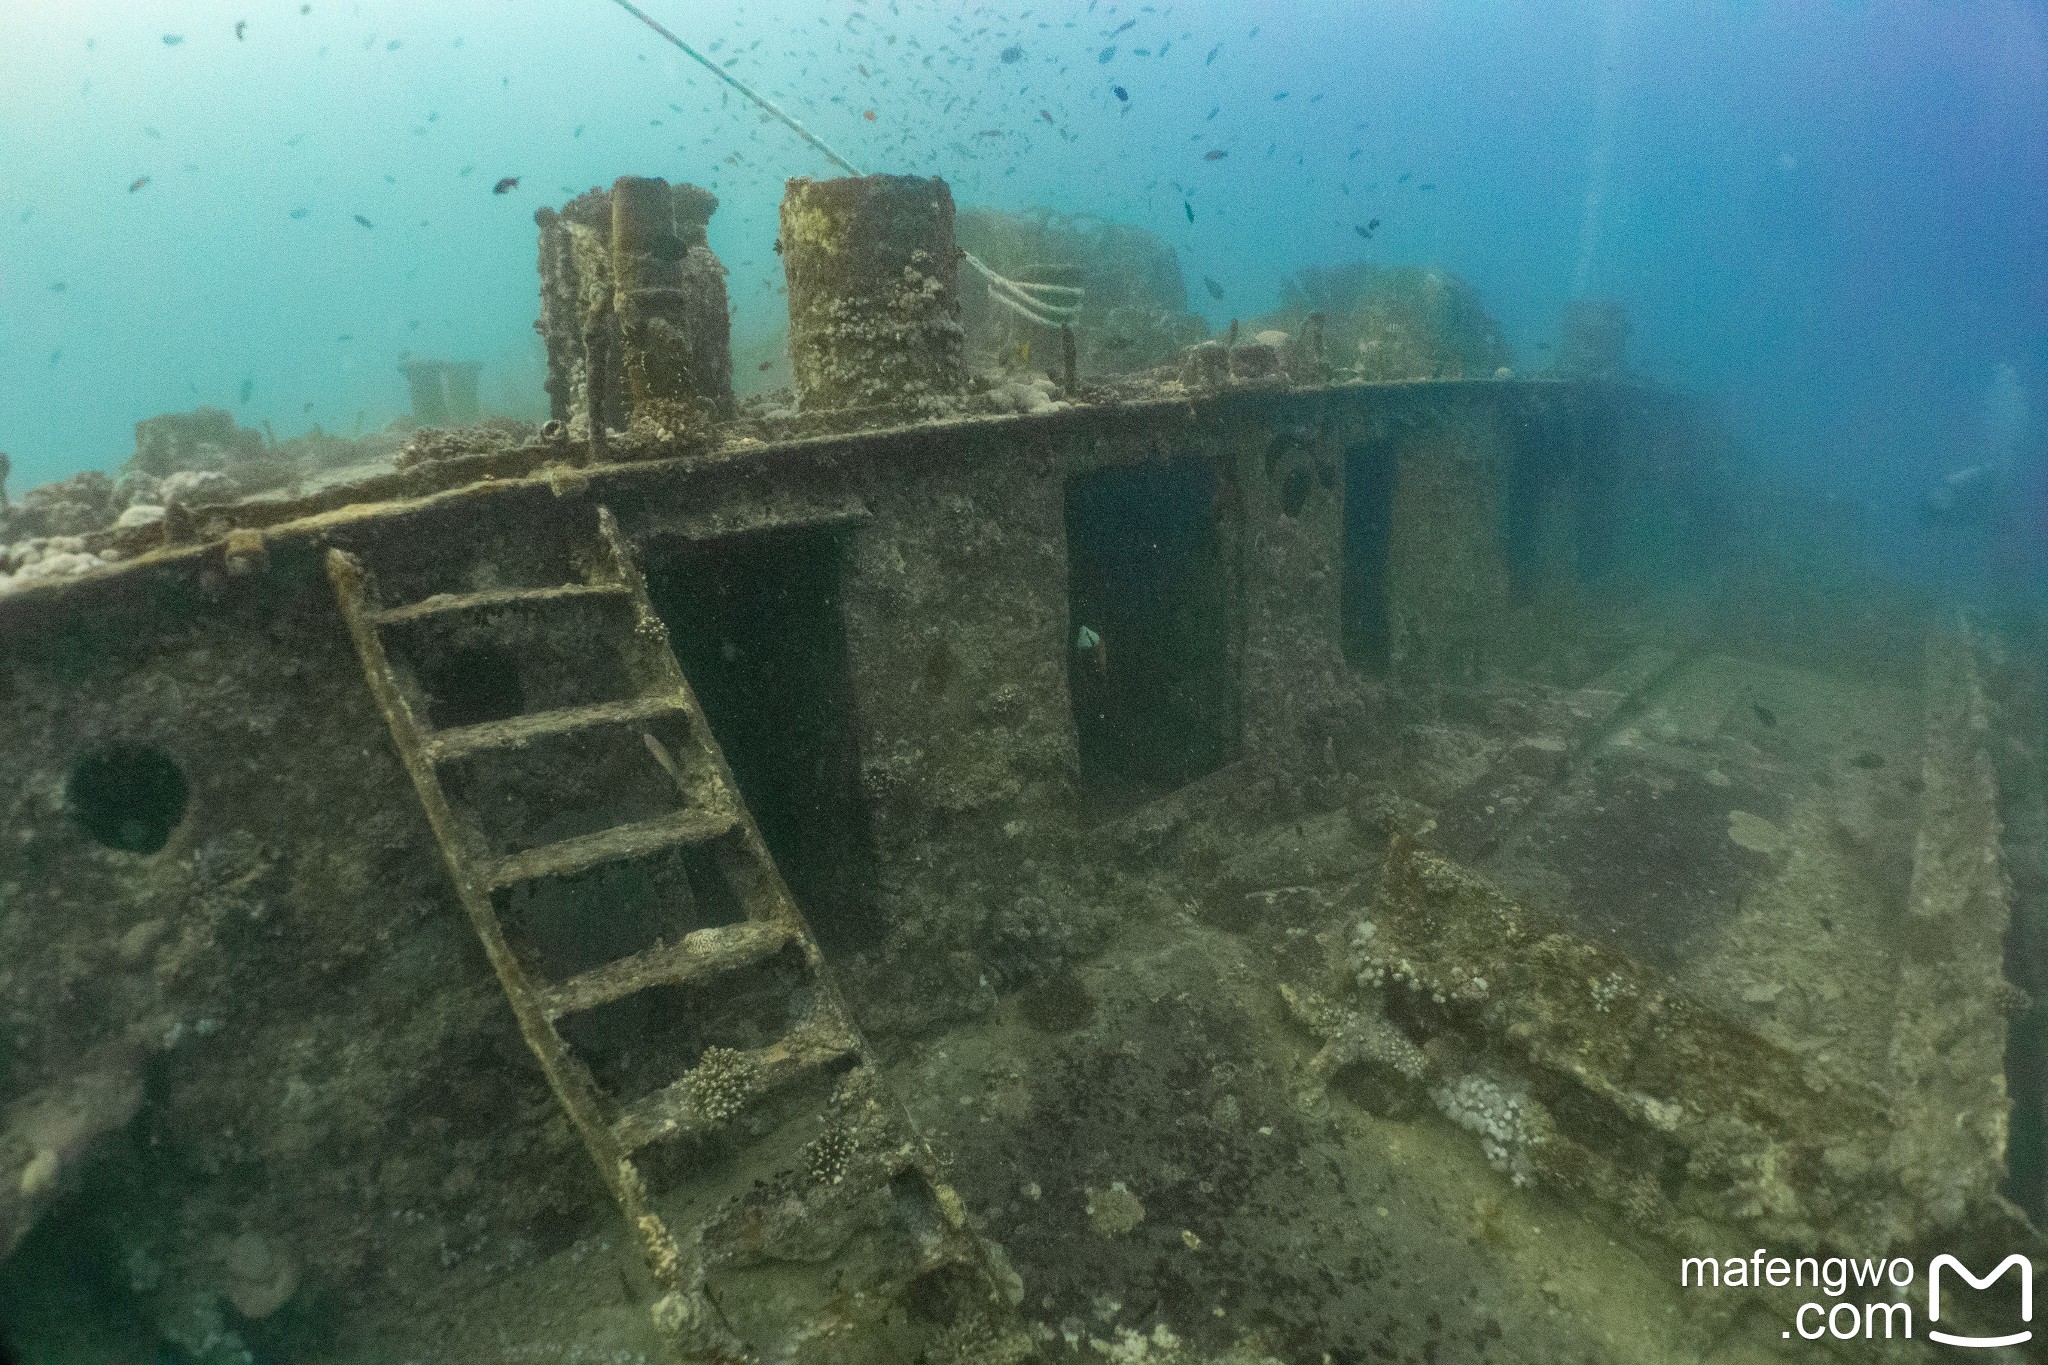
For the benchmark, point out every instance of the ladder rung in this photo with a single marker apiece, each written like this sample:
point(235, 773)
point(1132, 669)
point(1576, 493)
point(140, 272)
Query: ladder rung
point(617, 844)
point(700, 954)
point(519, 731)
point(449, 603)
point(673, 1110)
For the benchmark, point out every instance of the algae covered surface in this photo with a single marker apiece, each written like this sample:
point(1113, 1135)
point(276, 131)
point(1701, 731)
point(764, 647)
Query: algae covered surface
point(1068, 685)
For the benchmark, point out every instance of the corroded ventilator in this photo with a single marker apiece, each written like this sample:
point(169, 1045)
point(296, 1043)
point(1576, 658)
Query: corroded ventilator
point(1048, 305)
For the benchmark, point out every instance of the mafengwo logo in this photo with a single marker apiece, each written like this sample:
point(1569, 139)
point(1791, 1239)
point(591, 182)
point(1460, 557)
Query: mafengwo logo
point(1865, 1316)
point(1947, 1262)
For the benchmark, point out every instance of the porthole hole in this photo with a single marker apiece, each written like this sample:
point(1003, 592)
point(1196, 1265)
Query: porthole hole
point(128, 796)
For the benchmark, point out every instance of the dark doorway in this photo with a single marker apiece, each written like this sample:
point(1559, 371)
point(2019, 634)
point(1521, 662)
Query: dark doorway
point(755, 622)
point(1369, 474)
point(1148, 602)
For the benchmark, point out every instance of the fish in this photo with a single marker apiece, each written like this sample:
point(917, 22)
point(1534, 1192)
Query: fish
point(248, 387)
point(1045, 114)
point(59, 287)
point(299, 213)
point(1119, 28)
point(1104, 57)
point(1190, 208)
point(868, 114)
point(506, 186)
point(140, 181)
point(1212, 54)
point(173, 39)
point(990, 132)
point(1013, 54)
point(765, 365)
point(1216, 155)
point(1281, 96)
point(240, 25)
point(1215, 289)
point(1764, 714)
point(1404, 177)
point(1366, 230)
point(1427, 185)
point(1123, 96)
point(364, 221)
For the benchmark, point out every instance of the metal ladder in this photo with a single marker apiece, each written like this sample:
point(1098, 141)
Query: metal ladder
point(711, 815)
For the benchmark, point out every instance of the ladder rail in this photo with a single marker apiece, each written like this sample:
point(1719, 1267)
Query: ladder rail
point(566, 1075)
point(712, 816)
point(708, 755)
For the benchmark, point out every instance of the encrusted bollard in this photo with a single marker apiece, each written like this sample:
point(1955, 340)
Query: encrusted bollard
point(874, 294)
point(675, 341)
point(1205, 365)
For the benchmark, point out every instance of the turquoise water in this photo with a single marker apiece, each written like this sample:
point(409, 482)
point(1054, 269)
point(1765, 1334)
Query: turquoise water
point(1828, 214)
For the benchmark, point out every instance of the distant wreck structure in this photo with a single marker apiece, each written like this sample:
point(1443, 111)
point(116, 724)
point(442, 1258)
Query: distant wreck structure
point(986, 860)
point(1134, 313)
point(633, 310)
point(442, 391)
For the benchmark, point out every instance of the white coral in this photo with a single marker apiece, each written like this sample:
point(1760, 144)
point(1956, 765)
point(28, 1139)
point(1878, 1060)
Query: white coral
point(1500, 1114)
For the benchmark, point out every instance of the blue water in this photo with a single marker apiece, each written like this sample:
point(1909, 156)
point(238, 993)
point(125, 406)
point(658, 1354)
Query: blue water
point(1829, 215)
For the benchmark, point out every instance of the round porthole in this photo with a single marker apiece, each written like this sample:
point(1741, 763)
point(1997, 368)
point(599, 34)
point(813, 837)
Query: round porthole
point(127, 796)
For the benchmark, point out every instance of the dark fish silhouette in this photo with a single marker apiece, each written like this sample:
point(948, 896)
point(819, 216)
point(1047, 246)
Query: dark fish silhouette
point(1190, 208)
point(298, 213)
point(766, 365)
point(173, 39)
point(240, 24)
point(1366, 230)
point(1216, 155)
point(1215, 289)
point(506, 186)
point(140, 181)
point(1045, 114)
point(1012, 54)
point(1122, 95)
point(1404, 177)
point(1106, 55)
point(364, 221)
point(1764, 714)
point(248, 387)
point(1212, 54)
